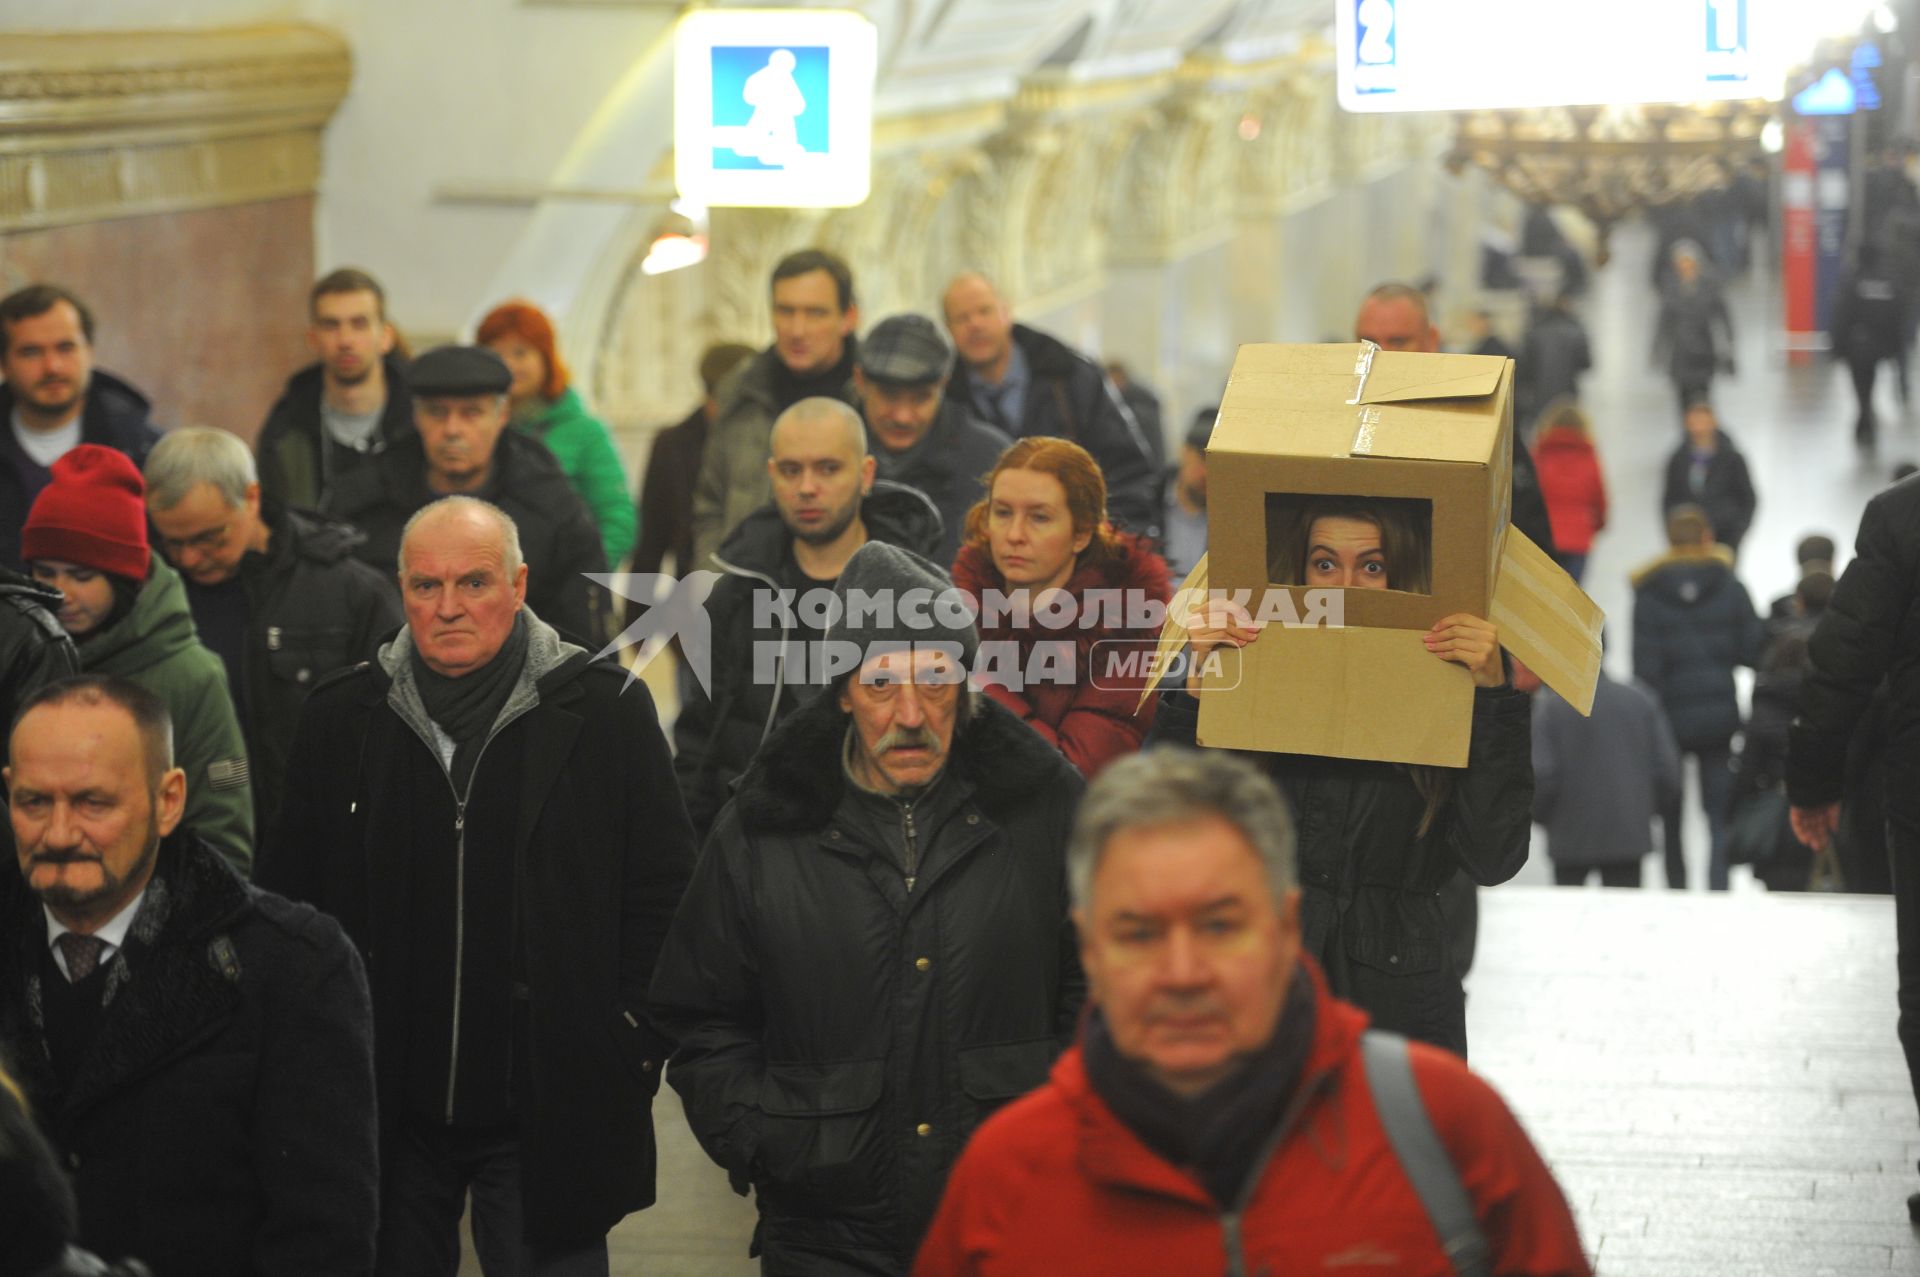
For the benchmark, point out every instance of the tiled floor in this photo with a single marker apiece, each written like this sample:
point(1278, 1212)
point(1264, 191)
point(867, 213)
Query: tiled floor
point(1714, 1078)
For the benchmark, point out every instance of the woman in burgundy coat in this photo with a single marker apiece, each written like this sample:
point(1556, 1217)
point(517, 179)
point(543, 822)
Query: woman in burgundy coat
point(1041, 538)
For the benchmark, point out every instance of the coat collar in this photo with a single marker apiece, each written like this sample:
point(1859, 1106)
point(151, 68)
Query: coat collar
point(175, 981)
point(1111, 1154)
point(796, 782)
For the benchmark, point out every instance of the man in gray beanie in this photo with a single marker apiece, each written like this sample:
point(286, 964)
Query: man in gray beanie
point(875, 952)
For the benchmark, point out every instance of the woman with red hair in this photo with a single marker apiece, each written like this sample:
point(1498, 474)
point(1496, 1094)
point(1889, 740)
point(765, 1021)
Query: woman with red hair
point(1040, 541)
point(545, 406)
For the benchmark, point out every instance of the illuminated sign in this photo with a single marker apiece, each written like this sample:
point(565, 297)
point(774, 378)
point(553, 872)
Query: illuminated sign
point(1454, 55)
point(774, 107)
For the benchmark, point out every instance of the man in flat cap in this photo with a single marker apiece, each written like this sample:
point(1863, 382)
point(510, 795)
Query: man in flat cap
point(874, 953)
point(461, 446)
point(921, 436)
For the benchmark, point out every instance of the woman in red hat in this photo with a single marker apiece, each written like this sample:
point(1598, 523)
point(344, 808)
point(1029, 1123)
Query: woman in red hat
point(126, 611)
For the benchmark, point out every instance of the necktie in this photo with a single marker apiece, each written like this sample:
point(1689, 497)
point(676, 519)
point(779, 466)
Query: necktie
point(82, 954)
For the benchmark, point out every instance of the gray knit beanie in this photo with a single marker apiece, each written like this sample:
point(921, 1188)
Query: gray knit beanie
point(889, 599)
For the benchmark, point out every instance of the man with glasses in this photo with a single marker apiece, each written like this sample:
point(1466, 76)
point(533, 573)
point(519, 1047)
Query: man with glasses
point(277, 594)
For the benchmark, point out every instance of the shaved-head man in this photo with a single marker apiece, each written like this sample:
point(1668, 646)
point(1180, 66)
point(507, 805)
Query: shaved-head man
point(1394, 317)
point(1025, 382)
point(778, 564)
point(490, 810)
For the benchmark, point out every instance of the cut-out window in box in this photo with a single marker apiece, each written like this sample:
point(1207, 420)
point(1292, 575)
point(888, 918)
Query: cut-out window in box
point(1350, 542)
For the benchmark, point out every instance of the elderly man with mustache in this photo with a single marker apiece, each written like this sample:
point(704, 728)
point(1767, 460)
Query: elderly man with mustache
point(875, 951)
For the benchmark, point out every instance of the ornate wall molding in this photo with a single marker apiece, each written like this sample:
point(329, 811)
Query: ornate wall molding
point(97, 126)
point(1045, 191)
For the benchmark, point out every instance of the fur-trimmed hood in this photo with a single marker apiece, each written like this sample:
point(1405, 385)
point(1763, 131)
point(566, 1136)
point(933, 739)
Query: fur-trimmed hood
point(1690, 557)
point(797, 781)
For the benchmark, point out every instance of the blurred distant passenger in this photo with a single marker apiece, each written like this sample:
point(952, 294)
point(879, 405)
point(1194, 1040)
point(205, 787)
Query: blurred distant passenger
point(461, 446)
point(53, 400)
point(544, 403)
point(920, 435)
point(815, 316)
point(1694, 335)
point(1868, 327)
point(1042, 527)
point(1814, 553)
point(1481, 337)
point(347, 407)
point(1394, 316)
point(1707, 470)
point(1221, 1110)
point(1145, 407)
point(1025, 383)
point(1758, 830)
point(1185, 539)
point(1693, 623)
point(666, 491)
point(1571, 483)
point(1600, 781)
point(1553, 355)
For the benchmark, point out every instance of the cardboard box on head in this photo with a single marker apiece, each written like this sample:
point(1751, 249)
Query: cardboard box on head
point(1432, 436)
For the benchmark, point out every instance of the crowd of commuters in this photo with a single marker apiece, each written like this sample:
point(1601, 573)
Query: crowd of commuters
point(357, 878)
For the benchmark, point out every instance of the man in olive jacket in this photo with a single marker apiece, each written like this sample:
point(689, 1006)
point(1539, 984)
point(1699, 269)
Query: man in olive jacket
point(875, 952)
point(491, 815)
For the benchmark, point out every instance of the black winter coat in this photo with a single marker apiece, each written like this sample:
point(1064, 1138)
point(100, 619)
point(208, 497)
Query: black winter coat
point(1871, 631)
point(312, 608)
point(558, 537)
point(716, 734)
point(582, 786)
point(299, 464)
point(222, 1121)
point(949, 465)
point(1069, 397)
point(839, 1036)
point(115, 415)
point(1726, 490)
point(1369, 888)
point(1692, 624)
point(34, 650)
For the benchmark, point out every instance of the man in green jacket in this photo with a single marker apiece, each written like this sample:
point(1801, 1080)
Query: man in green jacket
point(126, 610)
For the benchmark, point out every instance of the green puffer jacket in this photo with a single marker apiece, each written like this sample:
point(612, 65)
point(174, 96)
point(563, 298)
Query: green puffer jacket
point(584, 449)
point(156, 646)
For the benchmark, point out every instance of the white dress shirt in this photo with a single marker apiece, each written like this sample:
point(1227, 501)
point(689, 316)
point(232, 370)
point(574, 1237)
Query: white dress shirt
point(114, 934)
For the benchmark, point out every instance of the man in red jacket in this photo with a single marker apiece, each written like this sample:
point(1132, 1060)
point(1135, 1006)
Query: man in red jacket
point(1217, 1105)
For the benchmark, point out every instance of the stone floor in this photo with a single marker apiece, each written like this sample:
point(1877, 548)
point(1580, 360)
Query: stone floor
point(1715, 1079)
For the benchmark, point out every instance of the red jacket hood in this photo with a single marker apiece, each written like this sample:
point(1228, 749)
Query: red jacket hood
point(1563, 440)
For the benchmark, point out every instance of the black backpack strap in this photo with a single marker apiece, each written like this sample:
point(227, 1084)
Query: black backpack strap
point(1429, 1167)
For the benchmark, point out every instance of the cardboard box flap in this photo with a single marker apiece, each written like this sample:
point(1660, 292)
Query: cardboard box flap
point(1173, 631)
point(1394, 377)
point(1547, 621)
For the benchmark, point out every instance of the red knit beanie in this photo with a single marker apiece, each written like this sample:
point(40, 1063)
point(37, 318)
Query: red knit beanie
point(93, 514)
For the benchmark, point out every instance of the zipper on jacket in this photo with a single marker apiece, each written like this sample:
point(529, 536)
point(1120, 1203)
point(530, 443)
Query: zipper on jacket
point(1236, 1255)
point(459, 938)
point(913, 844)
point(460, 802)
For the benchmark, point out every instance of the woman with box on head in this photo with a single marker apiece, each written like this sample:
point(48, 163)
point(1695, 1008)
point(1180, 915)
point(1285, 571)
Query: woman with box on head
point(1042, 528)
point(1377, 839)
